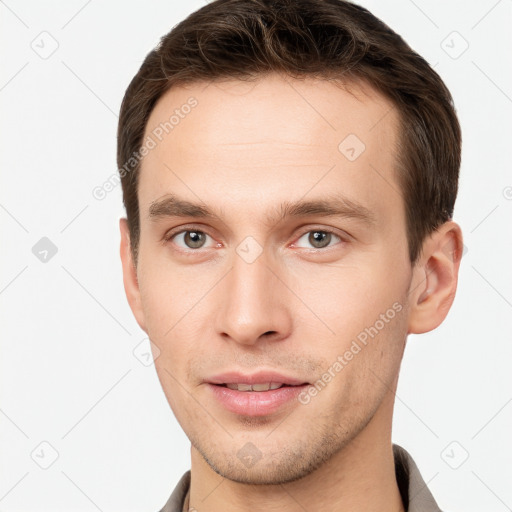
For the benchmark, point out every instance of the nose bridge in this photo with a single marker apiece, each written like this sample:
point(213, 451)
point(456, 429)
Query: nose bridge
point(253, 302)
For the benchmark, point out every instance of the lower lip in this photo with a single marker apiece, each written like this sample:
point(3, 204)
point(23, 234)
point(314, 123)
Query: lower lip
point(256, 403)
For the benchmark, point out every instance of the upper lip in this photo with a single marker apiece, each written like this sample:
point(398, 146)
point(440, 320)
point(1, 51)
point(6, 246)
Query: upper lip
point(261, 377)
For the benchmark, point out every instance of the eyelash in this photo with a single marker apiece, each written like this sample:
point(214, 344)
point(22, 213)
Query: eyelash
point(169, 236)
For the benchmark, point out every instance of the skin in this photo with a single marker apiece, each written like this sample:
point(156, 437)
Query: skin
point(242, 151)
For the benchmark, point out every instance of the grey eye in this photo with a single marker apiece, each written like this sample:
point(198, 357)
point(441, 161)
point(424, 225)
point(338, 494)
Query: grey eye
point(191, 238)
point(318, 238)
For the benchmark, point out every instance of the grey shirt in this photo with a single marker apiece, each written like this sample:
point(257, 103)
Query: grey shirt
point(414, 491)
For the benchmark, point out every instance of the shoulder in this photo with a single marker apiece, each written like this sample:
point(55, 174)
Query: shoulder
point(415, 493)
point(175, 501)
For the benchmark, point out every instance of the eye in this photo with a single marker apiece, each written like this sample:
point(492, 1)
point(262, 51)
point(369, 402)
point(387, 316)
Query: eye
point(188, 239)
point(318, 238)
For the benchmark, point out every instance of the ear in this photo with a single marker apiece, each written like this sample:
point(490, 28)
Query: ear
point(434, 281)
point(131, 284)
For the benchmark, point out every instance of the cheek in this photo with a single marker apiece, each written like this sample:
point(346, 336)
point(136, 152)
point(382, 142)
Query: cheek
point(362, 367)
point(346, 298)
point(359, 325)
point(172, 295)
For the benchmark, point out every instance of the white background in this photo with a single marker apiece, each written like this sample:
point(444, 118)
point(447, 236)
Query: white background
point(68, 373)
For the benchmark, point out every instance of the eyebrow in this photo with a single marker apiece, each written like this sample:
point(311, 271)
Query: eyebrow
point(338, 206)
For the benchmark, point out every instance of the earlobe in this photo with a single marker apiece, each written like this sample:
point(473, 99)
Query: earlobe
point(435, 277)
point(130, 280)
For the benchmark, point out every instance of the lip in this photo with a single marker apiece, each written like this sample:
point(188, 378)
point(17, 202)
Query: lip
point(255, 403)
point(255, 378)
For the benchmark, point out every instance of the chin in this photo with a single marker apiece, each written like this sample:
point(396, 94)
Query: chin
point(280, 468)
point(262, 475)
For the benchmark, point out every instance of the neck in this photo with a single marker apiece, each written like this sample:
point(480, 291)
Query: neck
point(360, 477)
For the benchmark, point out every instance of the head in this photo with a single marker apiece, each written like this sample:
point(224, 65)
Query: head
point(289, 173)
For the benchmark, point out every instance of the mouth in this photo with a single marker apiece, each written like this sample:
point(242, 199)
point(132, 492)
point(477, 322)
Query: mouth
point(259, 394)
point(264, 386)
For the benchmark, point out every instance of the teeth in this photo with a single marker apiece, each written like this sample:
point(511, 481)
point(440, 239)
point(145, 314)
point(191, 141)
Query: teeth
point(261, 387)
point(255, 387)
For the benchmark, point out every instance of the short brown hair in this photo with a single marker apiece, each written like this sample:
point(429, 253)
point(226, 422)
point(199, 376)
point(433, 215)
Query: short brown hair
point(245, 39)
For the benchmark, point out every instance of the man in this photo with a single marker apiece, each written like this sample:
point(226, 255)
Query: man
point(289, 172)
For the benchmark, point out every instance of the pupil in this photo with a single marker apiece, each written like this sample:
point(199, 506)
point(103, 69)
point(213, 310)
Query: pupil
point(320, 238)
point(194, 239)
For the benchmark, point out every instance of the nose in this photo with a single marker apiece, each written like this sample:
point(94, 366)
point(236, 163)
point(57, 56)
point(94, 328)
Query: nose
point(254, 303)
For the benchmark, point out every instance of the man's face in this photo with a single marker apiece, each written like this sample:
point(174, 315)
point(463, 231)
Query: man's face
point(249, 290)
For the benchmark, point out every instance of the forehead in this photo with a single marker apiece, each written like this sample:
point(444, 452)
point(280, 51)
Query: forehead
point(254, 141)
